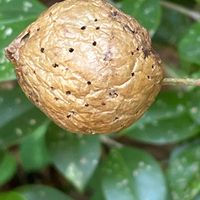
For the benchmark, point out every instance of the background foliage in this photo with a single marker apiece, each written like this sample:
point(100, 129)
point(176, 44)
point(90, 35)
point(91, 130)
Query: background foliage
point(157, 158)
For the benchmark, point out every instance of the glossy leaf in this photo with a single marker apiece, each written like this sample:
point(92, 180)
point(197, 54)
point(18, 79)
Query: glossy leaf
point(35, 145)
point(11, 196)
point(7, 167)
point(41, 192)
point(189, 46)
point(168, 31)
point(147, 12)
point(18, 117)
point(97, 194)
point(8, 32)
point(184, 172)
point(14, 10)
point(75, 156)
point(132, 174)
point(14, 17)
point(94, 185)
point(194, 106)
point(168, 120)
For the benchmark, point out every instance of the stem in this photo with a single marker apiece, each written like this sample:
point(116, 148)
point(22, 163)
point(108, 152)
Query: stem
point(110, 142)
point(190, 13)
point(181, 81)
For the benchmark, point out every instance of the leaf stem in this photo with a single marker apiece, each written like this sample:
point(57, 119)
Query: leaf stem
point(110, 142)
point(181, 81)
point(190, 13)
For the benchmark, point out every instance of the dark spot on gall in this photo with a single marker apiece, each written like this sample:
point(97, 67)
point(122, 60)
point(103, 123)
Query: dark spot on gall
point(103, 103)
point(83, 27)
point(116, 118)
point(71, 50)
point(132, 74)
point(56, 98)
point(114, 14)
point(94, 43)
point(152, 66)
point(68, 92)
point(132, 53)
point(70, 113)
point(38, 29)
point(34, 72)
point(148, 77)
point(95, 20)
point(89, 82)
point(86, 105)
point(113, 94)
point(55, 65)
point(52, 88)
point(138, 49)
point(97, 28)
point(42, 50)
point(146, 52)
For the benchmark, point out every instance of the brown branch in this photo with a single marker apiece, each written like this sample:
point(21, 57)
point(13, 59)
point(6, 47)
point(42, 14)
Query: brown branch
point(181, 81)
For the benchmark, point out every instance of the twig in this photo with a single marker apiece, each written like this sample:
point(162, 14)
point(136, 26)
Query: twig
point(190, 13)
point(181, 81)
point(110, 142)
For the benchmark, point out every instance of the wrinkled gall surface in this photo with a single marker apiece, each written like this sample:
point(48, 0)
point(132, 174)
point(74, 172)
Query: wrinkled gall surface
point(87, 66)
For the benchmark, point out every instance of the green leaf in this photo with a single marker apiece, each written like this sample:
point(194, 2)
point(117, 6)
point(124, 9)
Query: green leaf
point(132, 174)
point(189, 46)
point(97, 194)
point(197, 197)
point(41, 192)
point(184, 172)
point(18, 117)
point(7, 167)
point(15, 10)
point(147, 12)
point(11, 196)
point(35, 145)
point(34, 192)
point(8, 32)
point(14, 17)
point(168, 31)
point(194, 106)
point(168, 120)
point(12, 103)
point(75, 156)
point(94, 185)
